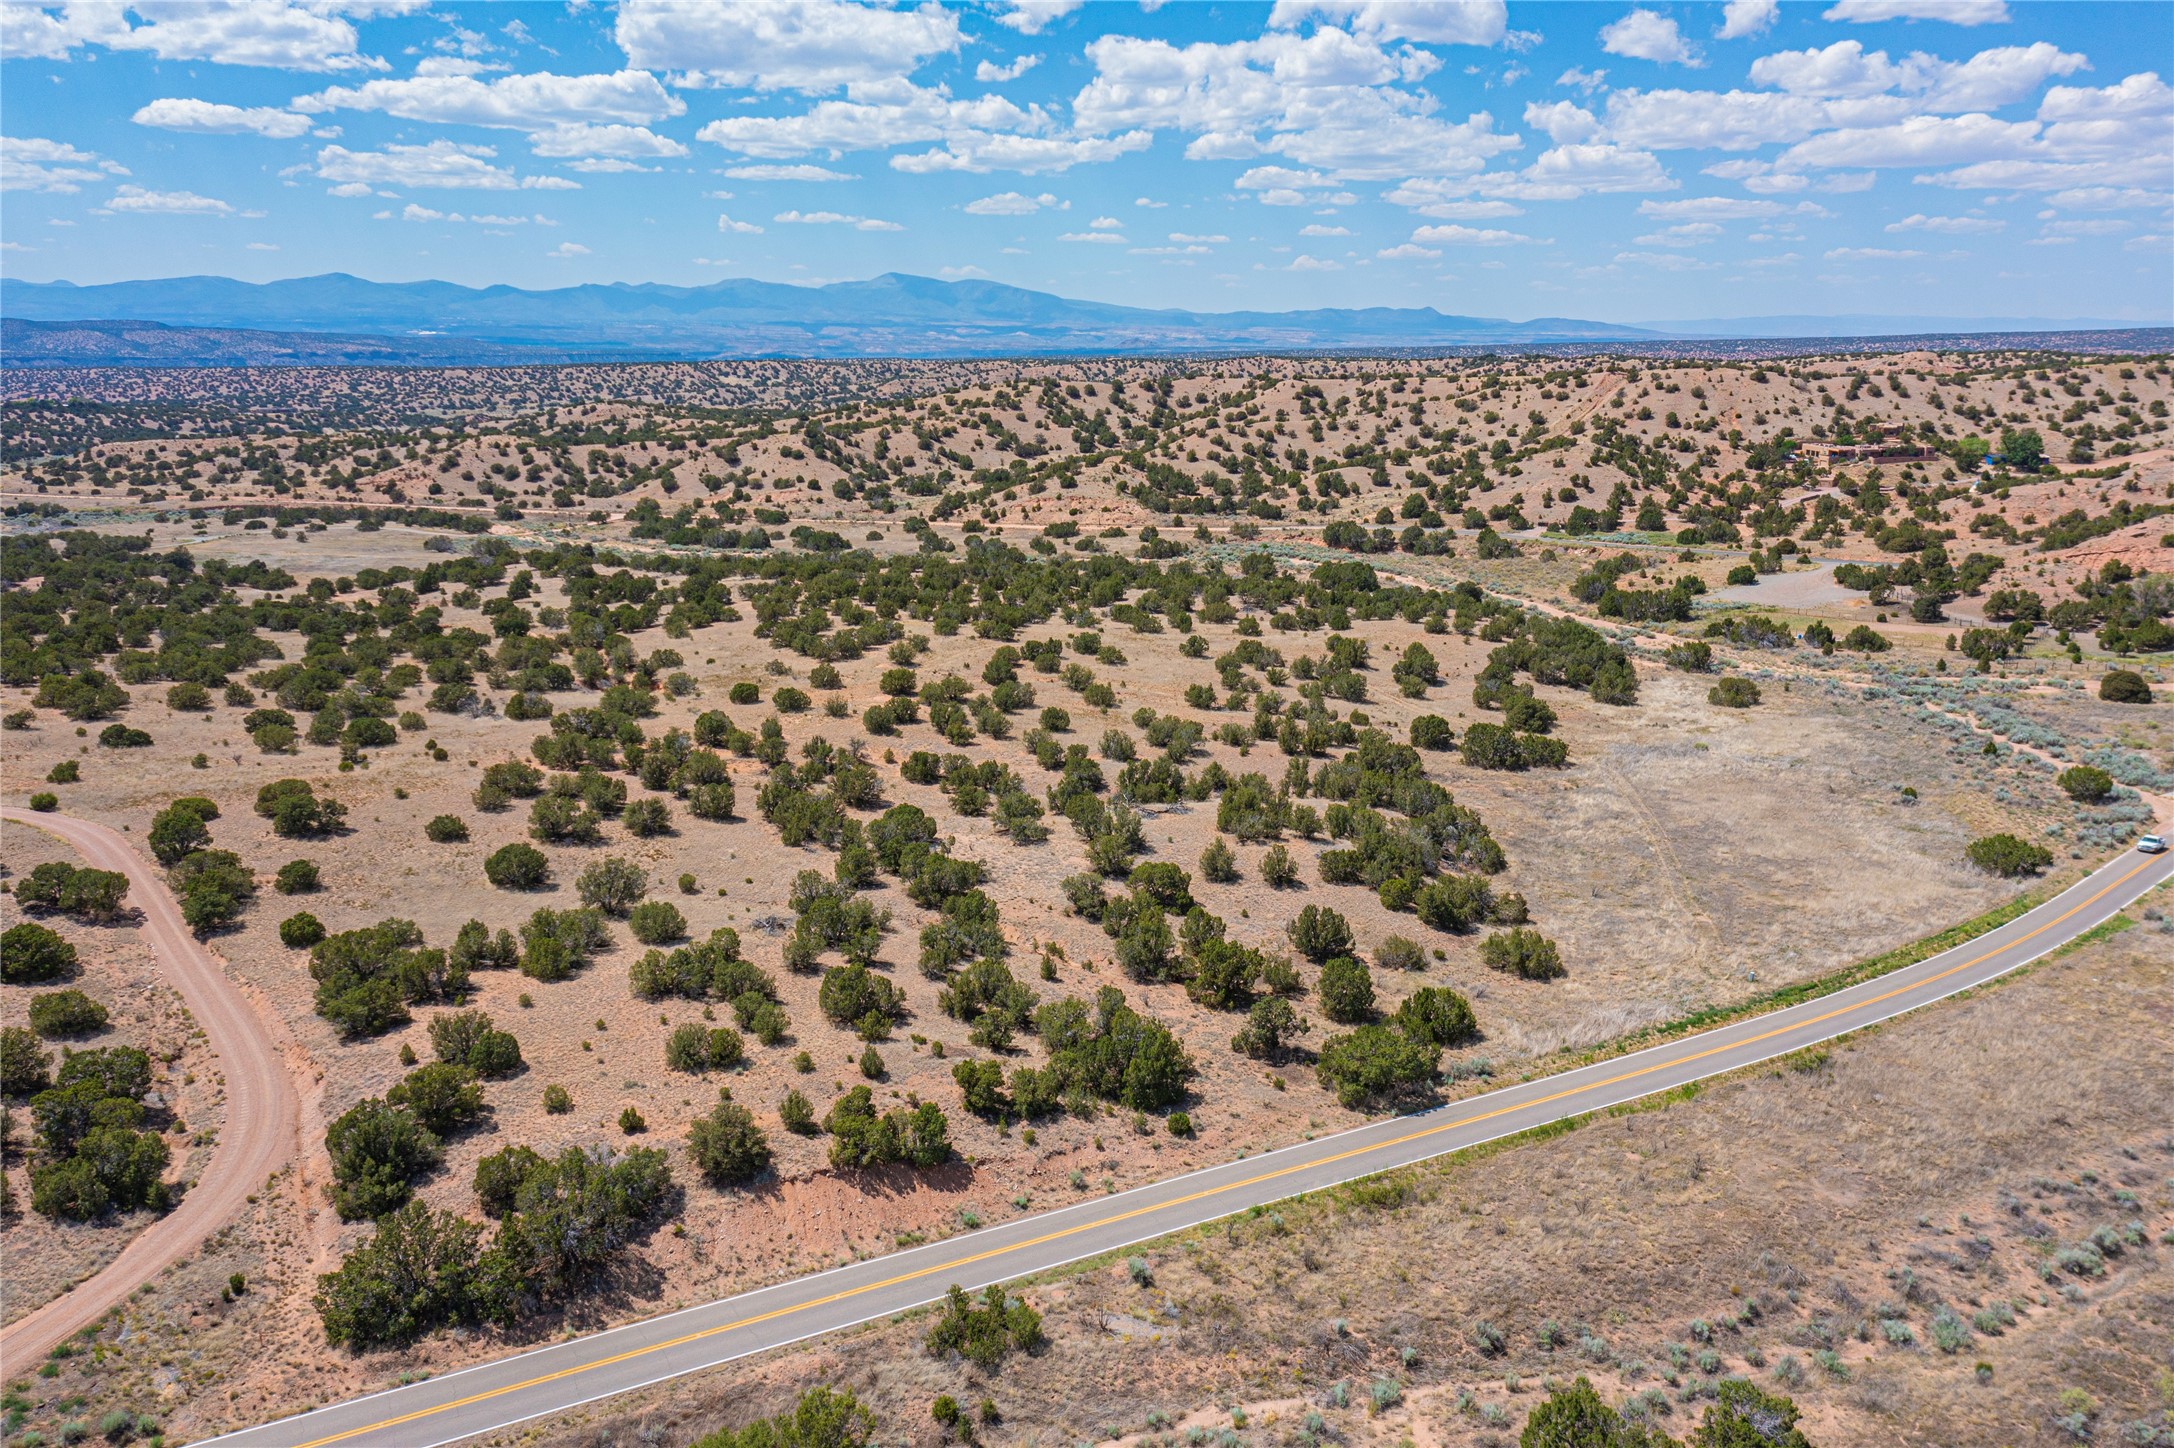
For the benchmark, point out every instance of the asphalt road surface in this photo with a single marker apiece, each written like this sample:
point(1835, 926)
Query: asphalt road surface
point(563, 1375)
point(263, 1112)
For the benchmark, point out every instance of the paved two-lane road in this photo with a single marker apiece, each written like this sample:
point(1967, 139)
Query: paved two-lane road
point(551, 1379)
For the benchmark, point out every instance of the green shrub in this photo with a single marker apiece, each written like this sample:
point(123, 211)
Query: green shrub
point(987, 1333)
point(1733, 693)
point(1432, 731)
point(1527, 954)
point(94, 895)
point(1693, 657)
point(1375, 1066)
point(45, 801)
point(2124, 686)
point(557, 1100)
point(30, 954)
point(612, 885)
point(1346, 991)
point(1318, 933)
point(821, 1419)
point(517, 867)
point(1437, 1016)
point(377, 1150)
point(2007, 856)
point(25, 1068)
point(1218, 864)
point(1397, 952)
point(647, 818)
point(2085, 783)
point(300, 931)
point(1278, 870)
point(65, 1013)
point(446, 829)
point(727, 1145)
point(657, 922)
point(296, 877)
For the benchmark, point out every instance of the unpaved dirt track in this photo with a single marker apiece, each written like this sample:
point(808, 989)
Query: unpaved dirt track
point(263, 1110)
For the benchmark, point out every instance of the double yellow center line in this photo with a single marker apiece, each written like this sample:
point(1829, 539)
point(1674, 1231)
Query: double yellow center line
point(952, 1265)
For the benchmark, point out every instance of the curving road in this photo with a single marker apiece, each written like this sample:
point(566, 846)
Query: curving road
point(566, 1374)
point(263, 1111)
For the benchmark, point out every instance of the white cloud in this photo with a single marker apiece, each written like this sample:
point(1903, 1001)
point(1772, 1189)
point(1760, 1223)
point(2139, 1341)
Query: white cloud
point(1470, 236)
point(788, 173)
point(261, 246)
point(441, 165)
point(1212, 238)
point(2111, 198)
point(1725, 208)
point(1406, 251)
point(1742, 18)
point(1649, 35)
point(412, 212)
point(962, 273)
point(212, 118)
point(1430, 22)
point(1663, 261)
point(276, 34)
point(1447, 200)
point(1030, 17)
point(813, 46)
point(623, 143)
point(1735, 120)
point(1987, 81)
point(514, 102)
point(1324, 100)
point(1316, 229)
point(1149, 202)
point(1948, 225)
point(1562, 120)
point(834, 218)
point(1011, 203)
point(2137, 96)
point(737, 228)
point(1918, 141)
point(568, 249)
point(136, 201)
point(1689, 233)
point(1955, 12)
point(980, 152)
point(1304, 263)
point(1106, 238)
point(1105, 223)
point(990, 73)
point(2097, 226)
point(1587, 81)
point(1871, 253)
point(35, 164)
point(1194, 250)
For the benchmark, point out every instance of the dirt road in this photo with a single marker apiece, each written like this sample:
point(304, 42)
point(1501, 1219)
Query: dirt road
point(263, 1109)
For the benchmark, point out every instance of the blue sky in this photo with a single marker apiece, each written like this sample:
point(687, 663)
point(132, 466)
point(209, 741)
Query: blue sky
point(1619, 161)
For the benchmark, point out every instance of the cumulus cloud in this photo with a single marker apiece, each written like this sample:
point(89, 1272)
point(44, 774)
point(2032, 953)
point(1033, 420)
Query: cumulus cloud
point(1430, 22)
point(137, 201)
point(1742, 18)
point(1987, 81)
point(213, 119)
point(1327, 100)
point(514, 102)
point(1471, 236)
point(32, 163)
point(1562, 120)
point(441, 164)
point(1947, 225)
point(1871, 253)
point(275, 34)
point(1316, 229)
point(1304, 263)
point(1011, 203)
point(834, 218)
point(1954, 12)
point(812, 46)
point(737, 228)
point(1406, 251)
point(623, 143)
point(1099, 238)
point(568, 249)
point(1689, 233)
point(1031, 17)
point(1649, 35)
point(989, 72)
point(788, 173)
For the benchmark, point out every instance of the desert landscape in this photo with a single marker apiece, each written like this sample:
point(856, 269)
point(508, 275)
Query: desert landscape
point(682, 828)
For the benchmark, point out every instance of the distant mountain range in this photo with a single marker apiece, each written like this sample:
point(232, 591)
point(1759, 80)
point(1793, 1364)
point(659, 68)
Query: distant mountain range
point(336, 318)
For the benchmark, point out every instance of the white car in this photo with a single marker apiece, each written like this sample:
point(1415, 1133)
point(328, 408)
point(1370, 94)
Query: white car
point(2152, 845)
